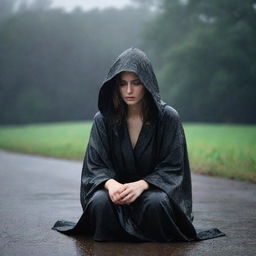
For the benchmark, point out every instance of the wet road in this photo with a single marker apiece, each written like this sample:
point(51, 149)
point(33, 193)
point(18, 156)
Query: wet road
point(36, 191)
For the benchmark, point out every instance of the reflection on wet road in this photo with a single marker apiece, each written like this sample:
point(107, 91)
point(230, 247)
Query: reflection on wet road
point(36, 191)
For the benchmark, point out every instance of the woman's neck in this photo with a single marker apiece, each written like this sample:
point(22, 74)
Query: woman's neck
point(134, 111)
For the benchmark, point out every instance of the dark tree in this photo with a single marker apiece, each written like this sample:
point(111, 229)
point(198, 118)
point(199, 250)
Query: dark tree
point(206, 58)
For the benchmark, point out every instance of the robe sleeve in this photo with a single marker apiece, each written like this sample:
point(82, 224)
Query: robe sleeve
point(97, 165)
point(172, 172)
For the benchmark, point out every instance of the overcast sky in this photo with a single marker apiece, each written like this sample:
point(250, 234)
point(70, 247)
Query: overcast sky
point(89, 4)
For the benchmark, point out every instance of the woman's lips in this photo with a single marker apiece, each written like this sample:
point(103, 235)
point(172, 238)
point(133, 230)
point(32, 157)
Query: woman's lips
point(129, 98)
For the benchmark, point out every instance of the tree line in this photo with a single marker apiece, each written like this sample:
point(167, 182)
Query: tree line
point(52, 63)
point(206, 57)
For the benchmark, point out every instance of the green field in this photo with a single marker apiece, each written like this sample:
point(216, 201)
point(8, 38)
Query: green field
point(214, 149)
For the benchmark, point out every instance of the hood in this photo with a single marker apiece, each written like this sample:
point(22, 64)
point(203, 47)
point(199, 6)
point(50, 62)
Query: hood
point(132, 60)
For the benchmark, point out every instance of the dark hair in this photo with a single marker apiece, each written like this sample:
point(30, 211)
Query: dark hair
point(119, 107)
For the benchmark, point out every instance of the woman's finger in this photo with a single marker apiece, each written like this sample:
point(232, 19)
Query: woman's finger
point(125, 193)
point(126, 198)
point(121, 189)
point(130, 200)
point(116, 195)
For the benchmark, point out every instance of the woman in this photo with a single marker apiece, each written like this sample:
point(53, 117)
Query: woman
point(136, 181)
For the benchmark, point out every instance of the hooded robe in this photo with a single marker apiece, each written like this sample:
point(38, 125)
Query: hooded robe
point(159, 157)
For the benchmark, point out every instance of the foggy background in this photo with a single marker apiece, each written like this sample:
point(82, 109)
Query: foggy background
point(54, 56)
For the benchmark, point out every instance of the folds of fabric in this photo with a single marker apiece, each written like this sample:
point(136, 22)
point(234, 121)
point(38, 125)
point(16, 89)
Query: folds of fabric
point(169, 199)
point(160, 157)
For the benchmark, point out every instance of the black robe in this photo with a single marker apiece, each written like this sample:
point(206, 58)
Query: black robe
point(160, 158)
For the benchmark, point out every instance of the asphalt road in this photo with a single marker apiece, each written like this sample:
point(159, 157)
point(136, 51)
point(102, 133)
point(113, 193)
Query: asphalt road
point(36, 191)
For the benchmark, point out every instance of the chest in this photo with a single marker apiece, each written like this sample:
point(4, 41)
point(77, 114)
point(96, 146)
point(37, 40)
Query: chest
point(134, 149)
point(134, 129)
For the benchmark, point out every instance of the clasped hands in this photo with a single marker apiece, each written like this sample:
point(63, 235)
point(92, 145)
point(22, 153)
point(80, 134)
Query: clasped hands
point(125, 193)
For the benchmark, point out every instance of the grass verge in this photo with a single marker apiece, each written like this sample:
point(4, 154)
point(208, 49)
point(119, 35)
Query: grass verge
point(214, 149)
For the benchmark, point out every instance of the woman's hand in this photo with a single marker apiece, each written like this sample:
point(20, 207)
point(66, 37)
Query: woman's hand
point(131, 191)
point(114, 190)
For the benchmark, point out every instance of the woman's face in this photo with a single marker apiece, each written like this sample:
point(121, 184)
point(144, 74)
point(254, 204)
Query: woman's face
point(131, 88)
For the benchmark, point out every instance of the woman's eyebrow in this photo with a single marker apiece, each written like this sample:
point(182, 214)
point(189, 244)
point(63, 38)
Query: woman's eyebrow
point(137, 79)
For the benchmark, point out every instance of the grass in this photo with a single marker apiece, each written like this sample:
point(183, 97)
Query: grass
point(63, 140)
point(214, 149)
point(223, 150)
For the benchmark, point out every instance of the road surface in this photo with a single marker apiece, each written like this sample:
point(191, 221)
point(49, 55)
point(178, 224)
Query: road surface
point(37, 191)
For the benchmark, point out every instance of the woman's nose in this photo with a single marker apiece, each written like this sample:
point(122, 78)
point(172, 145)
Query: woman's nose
point(129, 88)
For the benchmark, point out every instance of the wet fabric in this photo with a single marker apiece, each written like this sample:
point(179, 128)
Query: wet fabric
point(164, 211)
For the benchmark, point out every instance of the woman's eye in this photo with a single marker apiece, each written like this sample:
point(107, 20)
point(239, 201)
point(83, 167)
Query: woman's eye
point(137, 83)
point(134, 83)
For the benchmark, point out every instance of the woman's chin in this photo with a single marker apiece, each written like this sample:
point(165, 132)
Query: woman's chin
point(131, 102)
